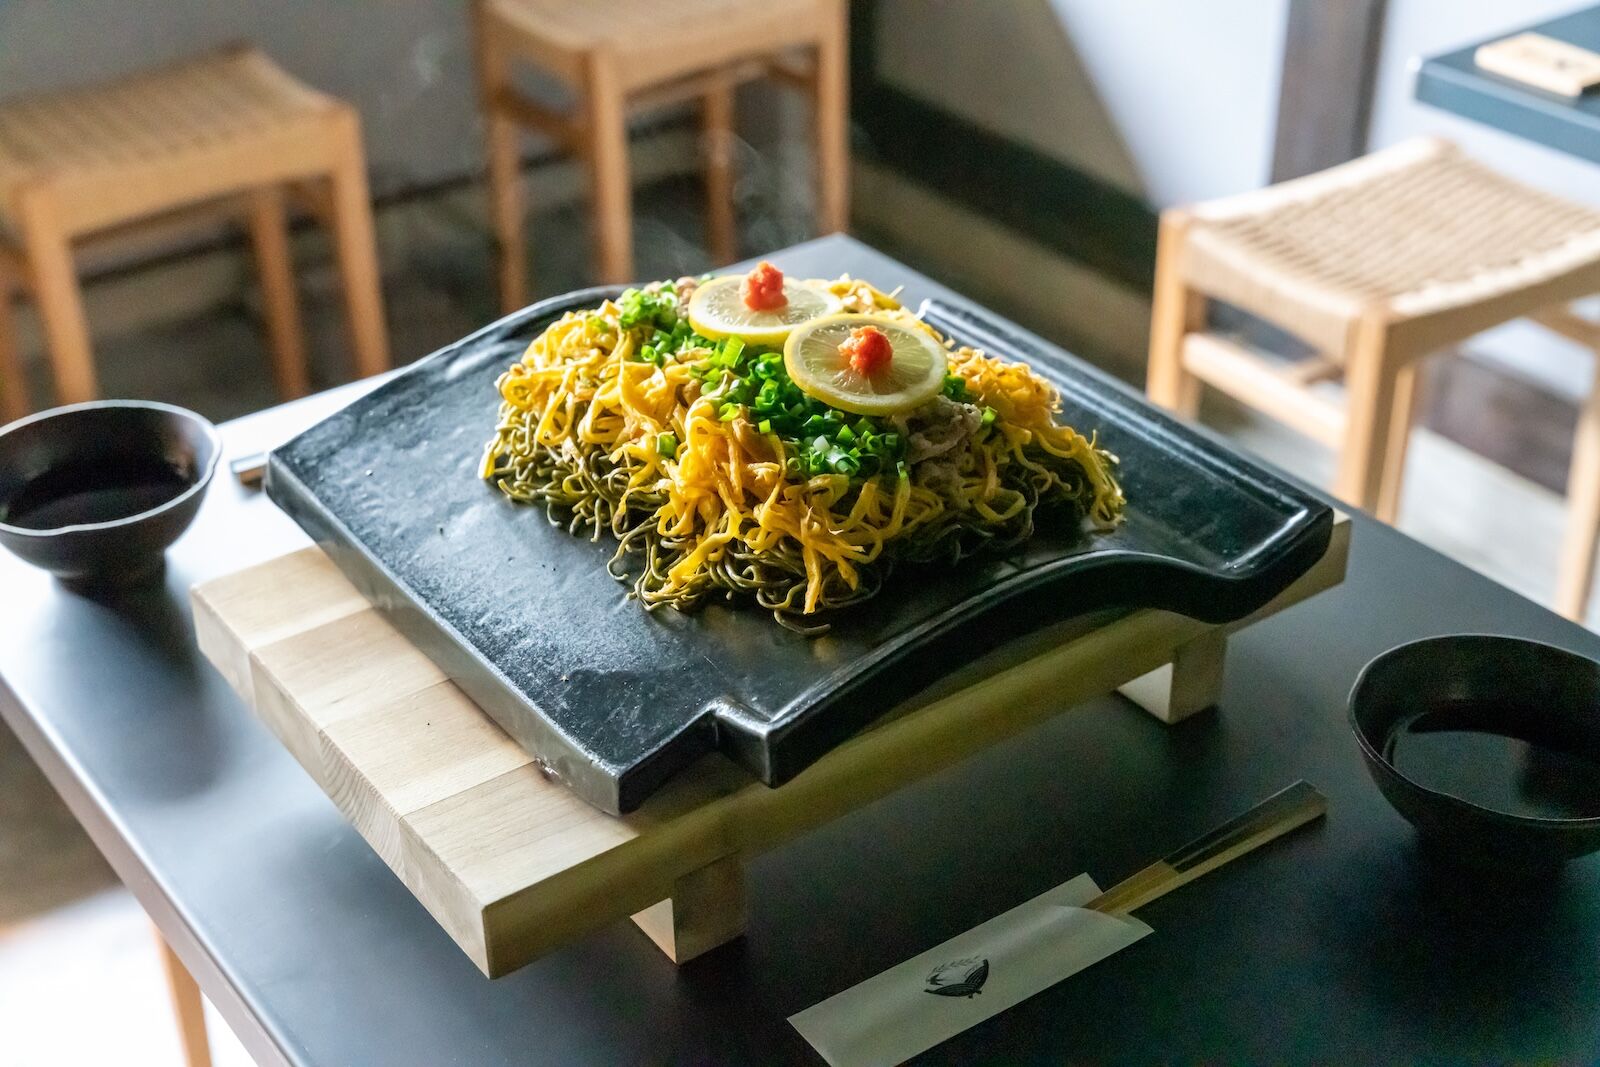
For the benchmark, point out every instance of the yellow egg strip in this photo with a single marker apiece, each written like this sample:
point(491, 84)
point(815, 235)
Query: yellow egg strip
point(577, 391)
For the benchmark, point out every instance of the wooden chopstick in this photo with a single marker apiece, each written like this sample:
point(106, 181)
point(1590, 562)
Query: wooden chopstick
point(1272, 818)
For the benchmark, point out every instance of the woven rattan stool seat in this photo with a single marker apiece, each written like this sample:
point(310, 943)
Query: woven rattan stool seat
point(653, 41)
point(161, 137)
point(1379, 263)
point(227, 133)
point(1417, 229)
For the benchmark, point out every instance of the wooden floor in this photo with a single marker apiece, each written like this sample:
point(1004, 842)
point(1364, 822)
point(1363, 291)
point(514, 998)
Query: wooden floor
point(75, 948)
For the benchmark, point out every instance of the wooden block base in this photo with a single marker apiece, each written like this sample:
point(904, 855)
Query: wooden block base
point(707, 909)
point(513, 865)
point(1191, 683)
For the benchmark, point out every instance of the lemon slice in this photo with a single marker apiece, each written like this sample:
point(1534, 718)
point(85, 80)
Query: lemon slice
point(717, 310)
point(914, 374)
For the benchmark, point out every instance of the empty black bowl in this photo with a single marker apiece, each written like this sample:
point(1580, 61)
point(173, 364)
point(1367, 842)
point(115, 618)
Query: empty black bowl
point(94, 493)
point(1490, 746)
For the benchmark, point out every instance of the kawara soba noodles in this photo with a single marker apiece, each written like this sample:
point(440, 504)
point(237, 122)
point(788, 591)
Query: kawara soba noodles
point(784, 442)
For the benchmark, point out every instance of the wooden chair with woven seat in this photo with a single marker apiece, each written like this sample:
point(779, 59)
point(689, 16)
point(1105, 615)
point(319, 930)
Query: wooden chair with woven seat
point(622, 54)
point(1376, 264)
point(229, 132)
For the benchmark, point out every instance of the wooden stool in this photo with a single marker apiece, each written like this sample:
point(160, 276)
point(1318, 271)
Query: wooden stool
point(13, 387)
point(228, 131)
point(1375, 263)
point(620, 53)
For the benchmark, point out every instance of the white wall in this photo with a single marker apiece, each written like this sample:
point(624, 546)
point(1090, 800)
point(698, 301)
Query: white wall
point(1172, 101)
point(1416, 28)
point(1192, 88)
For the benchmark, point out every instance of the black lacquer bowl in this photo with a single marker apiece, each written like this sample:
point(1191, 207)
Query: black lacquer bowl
point(1543, 699)
point(612, 700)
point(95, 493)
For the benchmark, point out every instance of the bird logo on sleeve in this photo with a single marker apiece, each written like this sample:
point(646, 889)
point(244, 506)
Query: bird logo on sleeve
point(959, 978)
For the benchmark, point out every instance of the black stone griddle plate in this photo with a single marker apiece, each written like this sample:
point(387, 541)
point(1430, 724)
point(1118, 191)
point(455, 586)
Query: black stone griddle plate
point(613, 700)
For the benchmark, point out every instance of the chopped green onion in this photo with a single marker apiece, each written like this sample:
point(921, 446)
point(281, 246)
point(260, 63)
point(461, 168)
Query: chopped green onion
point(765, 425)
point(989, 415)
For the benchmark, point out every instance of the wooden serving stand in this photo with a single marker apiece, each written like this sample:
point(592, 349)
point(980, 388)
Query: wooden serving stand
point(513, 865)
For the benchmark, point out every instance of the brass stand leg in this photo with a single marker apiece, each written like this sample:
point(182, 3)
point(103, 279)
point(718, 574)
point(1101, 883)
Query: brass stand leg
point(269, 237)
point(706, 909)
point(1192, 682)
point(187, 1006)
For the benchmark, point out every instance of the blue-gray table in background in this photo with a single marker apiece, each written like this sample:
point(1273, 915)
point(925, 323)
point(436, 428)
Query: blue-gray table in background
point(1455, 83)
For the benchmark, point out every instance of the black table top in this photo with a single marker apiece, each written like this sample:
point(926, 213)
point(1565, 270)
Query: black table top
point(1342, 943)
point(1455, 83)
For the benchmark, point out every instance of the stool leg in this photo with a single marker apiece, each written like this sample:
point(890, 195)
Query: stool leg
point(831, 122)
point(1394, 457)
point(504, 170)
point(269, 237)
point(55, 288)
point(1575, 576)
point(1372, 386)
point(13, 386)
point(506, 209)
point(717, 131)
point(356, 248)
point(608, 171)
point(187, 1006)
point(1175, 311)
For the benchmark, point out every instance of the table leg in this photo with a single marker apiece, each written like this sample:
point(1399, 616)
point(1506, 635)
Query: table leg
point(1192, 682)
point(706, 909)
point(187, 1006)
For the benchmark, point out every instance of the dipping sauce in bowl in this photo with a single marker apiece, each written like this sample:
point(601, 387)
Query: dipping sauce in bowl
point(94, 493)
point(1471, 750)
point(76, 494)
point(1489, 745)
